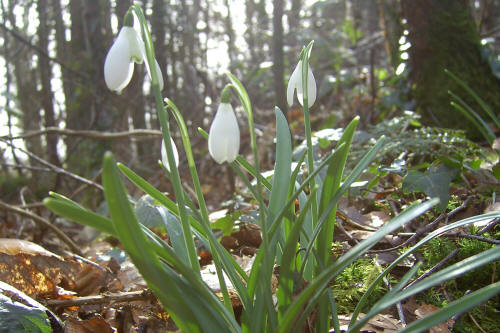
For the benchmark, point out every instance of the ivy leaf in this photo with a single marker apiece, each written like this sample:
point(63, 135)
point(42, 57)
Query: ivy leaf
point(21, 313)
point(153, 215)
point(226, 223)
point(435, 182)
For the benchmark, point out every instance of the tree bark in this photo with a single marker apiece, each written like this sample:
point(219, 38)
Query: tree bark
point(26, 85)
point(89, 104)
point(443, 36)
point(47, 97)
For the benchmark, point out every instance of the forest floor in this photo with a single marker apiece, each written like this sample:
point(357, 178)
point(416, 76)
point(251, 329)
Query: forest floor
point(100, 290)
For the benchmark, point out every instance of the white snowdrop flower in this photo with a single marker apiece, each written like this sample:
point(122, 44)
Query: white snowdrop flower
point(119, 64)
point(164, 157)
point(224, 136)
point(295, 82)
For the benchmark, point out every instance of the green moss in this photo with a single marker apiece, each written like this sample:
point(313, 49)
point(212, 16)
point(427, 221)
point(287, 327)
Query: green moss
point(487, 314)
point(353, 282)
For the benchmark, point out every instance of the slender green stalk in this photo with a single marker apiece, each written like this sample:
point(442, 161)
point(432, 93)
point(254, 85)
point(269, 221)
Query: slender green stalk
point(163, 117)
point(307, 127)
point(201, 200)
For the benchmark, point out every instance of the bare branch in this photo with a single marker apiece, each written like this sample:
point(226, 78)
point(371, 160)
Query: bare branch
point(55, 168)
point(45, 223)
point(145, 294)
point(89, 134)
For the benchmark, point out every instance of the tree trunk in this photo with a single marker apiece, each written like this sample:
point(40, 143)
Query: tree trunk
point(47, 96)
point(88, 105)
point(8, 83)
point(443, 36)
point(26, 86)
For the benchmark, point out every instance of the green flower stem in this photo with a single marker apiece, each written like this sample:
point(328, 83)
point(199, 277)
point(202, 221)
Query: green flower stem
point(163, 117)
point(307, 125)
point(245, 100)
point(264, 247)
point(323, 315)
point(201, 199)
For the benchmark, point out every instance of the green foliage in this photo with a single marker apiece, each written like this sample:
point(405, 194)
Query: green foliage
point(471, 114)
point(353, 282)
point(226, 223)
point(18, 317)
point(435, 182)
point(419, 144)
point(434, 252)
point(172, 271)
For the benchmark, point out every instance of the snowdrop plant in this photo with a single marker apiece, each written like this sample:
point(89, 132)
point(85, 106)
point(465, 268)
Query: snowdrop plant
point(299, 241)
point(224, 135)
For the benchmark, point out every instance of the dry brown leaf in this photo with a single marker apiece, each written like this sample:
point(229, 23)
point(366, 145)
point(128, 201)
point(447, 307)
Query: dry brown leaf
point(426, 309)
point(41, 274)
point(93, 325)
point(15, 246)
point(377, 218)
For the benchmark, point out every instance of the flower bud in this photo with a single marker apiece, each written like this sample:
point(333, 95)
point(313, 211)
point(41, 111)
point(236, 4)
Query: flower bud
point(224, 136)
point(164, 157)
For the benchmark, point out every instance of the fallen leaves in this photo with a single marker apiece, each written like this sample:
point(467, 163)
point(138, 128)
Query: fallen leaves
point(34, 270)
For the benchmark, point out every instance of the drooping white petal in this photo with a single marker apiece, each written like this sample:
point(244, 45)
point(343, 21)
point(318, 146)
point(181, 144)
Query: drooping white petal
point(141, 50)
point(164, 158)
point(224, 136)
point(158, 74)
point(295, 82)
point(118, 67)
point(311, 89)
point(136, 45)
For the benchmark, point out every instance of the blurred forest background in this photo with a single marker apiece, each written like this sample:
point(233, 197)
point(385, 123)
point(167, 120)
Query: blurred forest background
point(373, 58)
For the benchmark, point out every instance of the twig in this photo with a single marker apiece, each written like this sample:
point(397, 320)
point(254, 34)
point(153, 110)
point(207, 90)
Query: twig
point(85, 133)
point(45, 223)
point(399, 306)
point(55, 168)
point(21, 166)
point(476, 323)
point(140, 295)
point(349, 221)
point(475, 237)
point(23, 202)
point(424, 230)
point(341, 227)
point(435, 268)
point(489, 226)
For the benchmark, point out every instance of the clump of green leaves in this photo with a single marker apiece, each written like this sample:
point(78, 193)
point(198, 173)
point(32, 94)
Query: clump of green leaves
point(418, 143)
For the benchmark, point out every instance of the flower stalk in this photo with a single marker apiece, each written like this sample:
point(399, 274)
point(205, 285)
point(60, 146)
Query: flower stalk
point(163, 117)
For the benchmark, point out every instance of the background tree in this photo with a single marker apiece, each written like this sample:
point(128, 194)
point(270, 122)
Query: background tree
point(53, 53)
point(443, 35)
